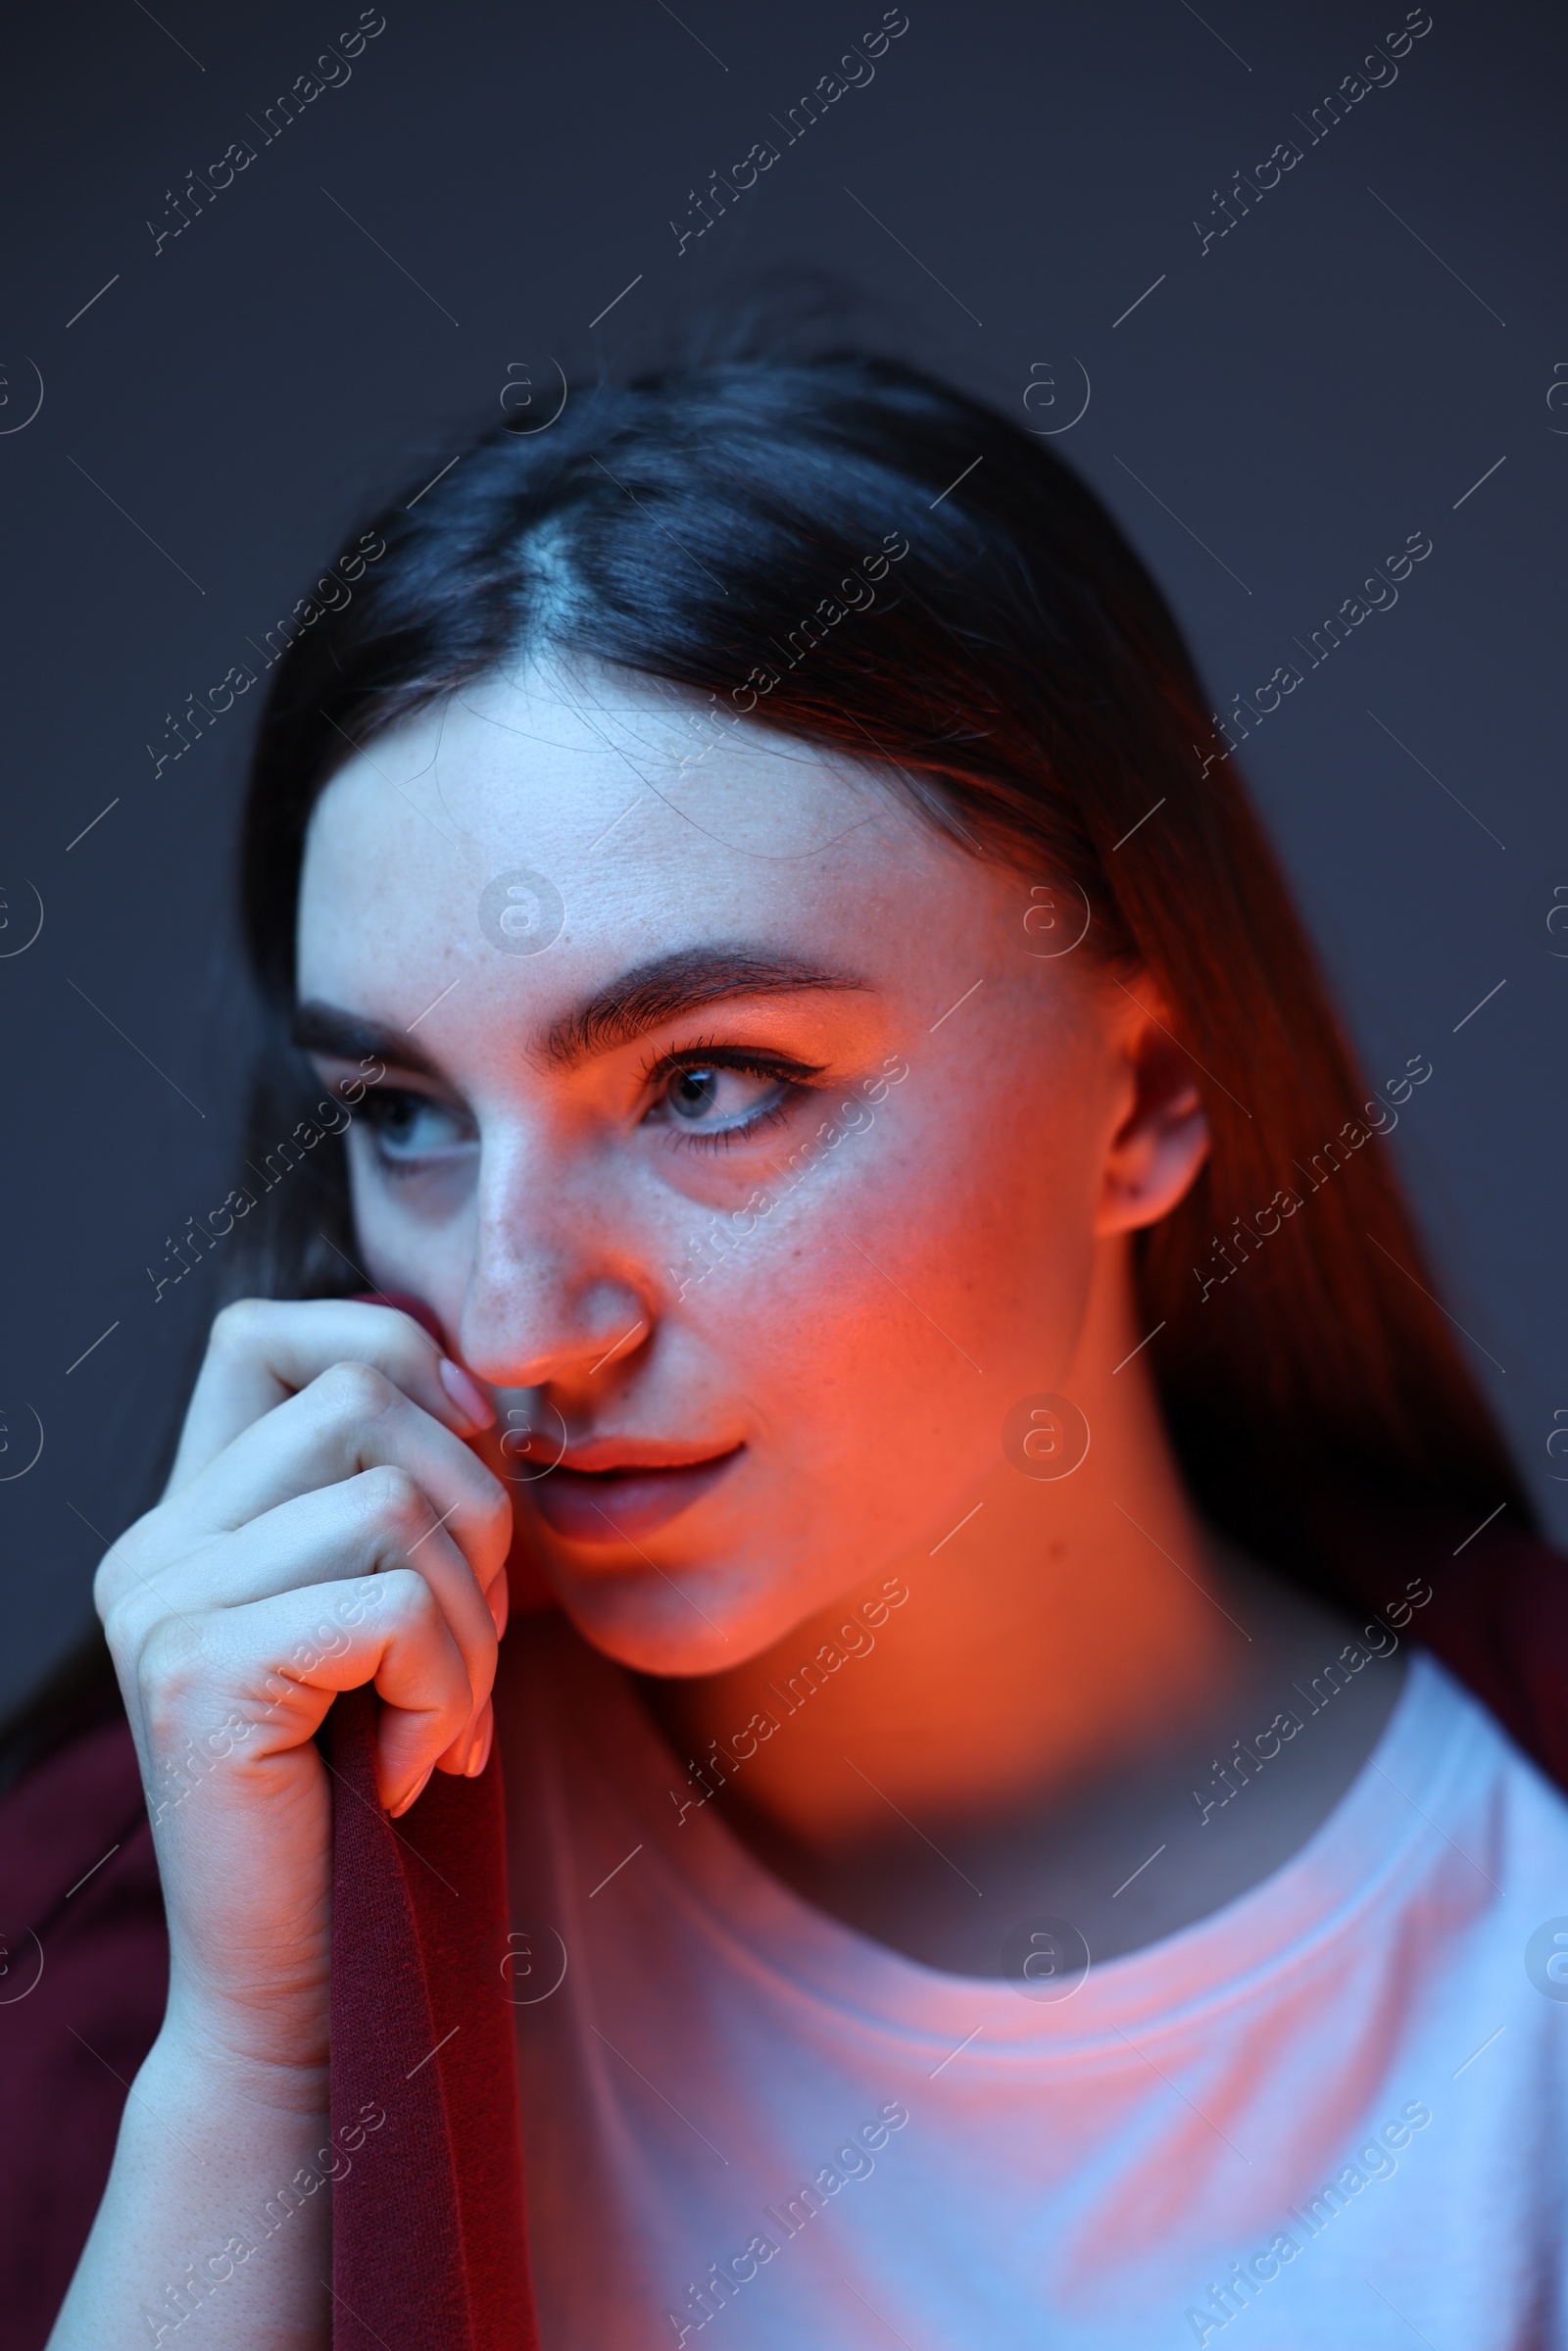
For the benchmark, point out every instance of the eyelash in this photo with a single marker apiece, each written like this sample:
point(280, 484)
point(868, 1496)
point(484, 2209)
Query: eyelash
point(381, 1103)
point(799, 1076)
point(378, 1107)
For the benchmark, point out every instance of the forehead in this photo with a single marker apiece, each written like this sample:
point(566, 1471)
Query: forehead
point(533, 829)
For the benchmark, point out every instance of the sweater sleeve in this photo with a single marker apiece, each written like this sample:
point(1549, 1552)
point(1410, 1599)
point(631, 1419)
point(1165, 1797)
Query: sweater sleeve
point(85, 1957)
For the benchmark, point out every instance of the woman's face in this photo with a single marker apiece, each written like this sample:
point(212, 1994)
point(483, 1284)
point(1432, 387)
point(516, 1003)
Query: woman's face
point(735, 1126)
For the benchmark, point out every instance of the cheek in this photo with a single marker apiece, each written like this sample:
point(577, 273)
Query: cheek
point(893, 1307)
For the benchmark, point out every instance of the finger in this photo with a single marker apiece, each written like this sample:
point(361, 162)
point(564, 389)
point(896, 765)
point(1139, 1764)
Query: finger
point(247, 1685)
point(363, 1526)
point(484, 1739)
point(352, 1418)
point(370, 1525)
point(263, 1351)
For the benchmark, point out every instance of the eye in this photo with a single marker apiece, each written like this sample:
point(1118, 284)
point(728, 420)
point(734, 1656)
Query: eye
point(409, 1127)
point(722, 1100)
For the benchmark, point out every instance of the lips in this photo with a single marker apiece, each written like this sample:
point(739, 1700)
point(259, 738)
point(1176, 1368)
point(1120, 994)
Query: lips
point(625, 1499)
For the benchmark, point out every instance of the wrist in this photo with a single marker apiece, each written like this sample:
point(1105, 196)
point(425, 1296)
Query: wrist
point(212, 2051)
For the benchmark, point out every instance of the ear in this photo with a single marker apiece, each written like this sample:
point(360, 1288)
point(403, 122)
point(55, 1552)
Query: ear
point(1164, 1139)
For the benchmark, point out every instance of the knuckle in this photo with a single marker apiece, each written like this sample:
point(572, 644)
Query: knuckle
point(174, 1669)
point(120, 1631)
point(394, 1497)
point(354, 1391)
point(359, 1601)
point(120, 1574)
point(412, 1601)
point(108, 1586)
point(238, 1327)
point(492, 1509)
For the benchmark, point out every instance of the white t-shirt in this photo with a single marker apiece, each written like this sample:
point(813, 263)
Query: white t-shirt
point(1334, 2111)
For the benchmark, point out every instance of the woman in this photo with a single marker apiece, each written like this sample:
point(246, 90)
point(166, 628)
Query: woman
point(925, 1325)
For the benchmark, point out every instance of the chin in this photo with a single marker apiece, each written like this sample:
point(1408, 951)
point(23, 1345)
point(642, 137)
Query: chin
point(654, 1625)
point(710, 1604)
point(682, 1621)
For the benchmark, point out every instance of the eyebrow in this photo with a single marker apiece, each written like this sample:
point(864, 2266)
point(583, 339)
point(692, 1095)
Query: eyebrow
point(687, 980)
point(645, 998)
point(339, 1036)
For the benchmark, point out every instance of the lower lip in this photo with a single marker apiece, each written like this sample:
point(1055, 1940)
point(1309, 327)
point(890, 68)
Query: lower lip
point(621, 1506)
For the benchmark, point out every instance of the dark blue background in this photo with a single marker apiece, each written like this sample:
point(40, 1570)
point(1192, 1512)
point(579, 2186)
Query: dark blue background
point(1304, 395)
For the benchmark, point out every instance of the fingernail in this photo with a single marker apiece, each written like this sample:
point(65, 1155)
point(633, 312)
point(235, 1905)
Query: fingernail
point(479, 1752)
point(466, 1394)
point(413, 1795)
point(498, 1600)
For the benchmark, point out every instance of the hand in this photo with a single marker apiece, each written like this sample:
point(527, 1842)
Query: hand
point(325, 1525)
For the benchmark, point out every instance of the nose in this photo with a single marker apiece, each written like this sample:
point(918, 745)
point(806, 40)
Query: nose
point(555, 1296)
point(545, 1321)
point(543, 1332)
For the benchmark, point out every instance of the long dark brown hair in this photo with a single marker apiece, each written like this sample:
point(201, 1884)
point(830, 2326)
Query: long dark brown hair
point(1021, 676)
